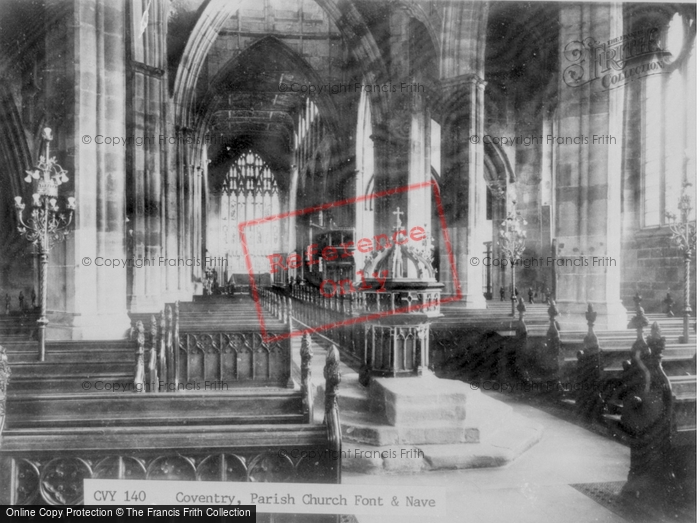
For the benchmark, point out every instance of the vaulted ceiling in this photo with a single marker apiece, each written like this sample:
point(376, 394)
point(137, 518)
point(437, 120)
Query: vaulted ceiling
point(259, 72)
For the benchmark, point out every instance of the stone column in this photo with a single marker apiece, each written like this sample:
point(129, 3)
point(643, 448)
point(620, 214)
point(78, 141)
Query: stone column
point(588, 172)
point(393, 134)
point(419, 211)
point(91, 303)
point(289, 224)
point(150, 183)
point(463, 187)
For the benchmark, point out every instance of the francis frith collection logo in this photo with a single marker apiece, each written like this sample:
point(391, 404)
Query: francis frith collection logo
point(613, 63)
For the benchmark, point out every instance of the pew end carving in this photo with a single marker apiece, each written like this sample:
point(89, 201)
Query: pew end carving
point(331, 373)
point(306, 383)
point(5, 373)
point(152, 385)
point(140, 373)
point(515, 359)
point(657, 419)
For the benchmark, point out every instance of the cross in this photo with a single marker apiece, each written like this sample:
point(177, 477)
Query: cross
point(398, 215)
point(408, 298)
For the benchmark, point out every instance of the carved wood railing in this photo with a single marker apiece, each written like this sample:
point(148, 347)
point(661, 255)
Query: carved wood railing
point(589, 402)
point(306, 386)
point(5, 373)
point(331, 373)
point(183, 360)
point(240, 357)
point(140, 374)
point(550, 360)
point(153, 358)
point(311, 309)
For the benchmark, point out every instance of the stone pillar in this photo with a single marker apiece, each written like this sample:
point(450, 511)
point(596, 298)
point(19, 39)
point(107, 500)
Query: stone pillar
point(91, 303)
point(393, 145)
point(289, 224)
point(464, 187)
point(419, 200)
point(150, 182)
point(588, 172)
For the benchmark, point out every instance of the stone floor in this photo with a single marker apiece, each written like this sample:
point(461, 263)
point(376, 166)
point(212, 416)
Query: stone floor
point(534, 488)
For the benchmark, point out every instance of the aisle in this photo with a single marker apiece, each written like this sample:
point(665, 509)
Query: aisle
point(546, 483)
point(535, 488)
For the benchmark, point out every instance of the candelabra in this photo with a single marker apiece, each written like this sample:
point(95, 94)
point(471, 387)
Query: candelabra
point(511, 238)
point(45, 225)
point(684, 234)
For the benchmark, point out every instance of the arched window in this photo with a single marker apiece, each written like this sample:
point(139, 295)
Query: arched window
point(668, 127)
point(250, 192)
point(435, 143)
point(364, 183)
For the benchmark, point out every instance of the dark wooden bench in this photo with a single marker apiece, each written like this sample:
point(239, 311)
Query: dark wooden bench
point(51, 442)
point(25, 351)
point(654, 413)
point(179, 352)
point(70, 363)
point(18, 322)
point(123, 408)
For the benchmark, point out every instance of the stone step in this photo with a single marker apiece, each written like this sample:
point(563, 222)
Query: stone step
point(441, 411)
point(405, 400)
point(504, 446)
point(366, 428)
point(352, 396)
point(485, 418)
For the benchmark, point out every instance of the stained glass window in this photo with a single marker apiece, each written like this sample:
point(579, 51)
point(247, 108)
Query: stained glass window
point(250, 192)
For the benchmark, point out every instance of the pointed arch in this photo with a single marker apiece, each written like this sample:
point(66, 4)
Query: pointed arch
point(14, 150)
point(497, 163)
point(214, 15)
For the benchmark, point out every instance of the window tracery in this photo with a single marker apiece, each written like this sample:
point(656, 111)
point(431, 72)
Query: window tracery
point(250, 192)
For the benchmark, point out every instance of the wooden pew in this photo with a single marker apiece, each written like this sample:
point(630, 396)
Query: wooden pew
point(69, 364)
point(186, 354)
point(120, 407)
point(654, 413)
point(51, 444)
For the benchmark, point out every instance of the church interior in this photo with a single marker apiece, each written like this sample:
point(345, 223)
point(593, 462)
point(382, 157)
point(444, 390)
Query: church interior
point(411, 244)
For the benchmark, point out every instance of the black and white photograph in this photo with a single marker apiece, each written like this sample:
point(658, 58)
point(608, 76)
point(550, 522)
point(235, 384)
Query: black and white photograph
point(349, 261)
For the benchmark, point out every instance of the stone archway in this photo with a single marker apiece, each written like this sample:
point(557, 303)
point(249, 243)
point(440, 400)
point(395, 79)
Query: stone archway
point(15, 158)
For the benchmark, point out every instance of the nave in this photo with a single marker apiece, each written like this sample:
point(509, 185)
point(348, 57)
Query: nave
point(244, 238)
